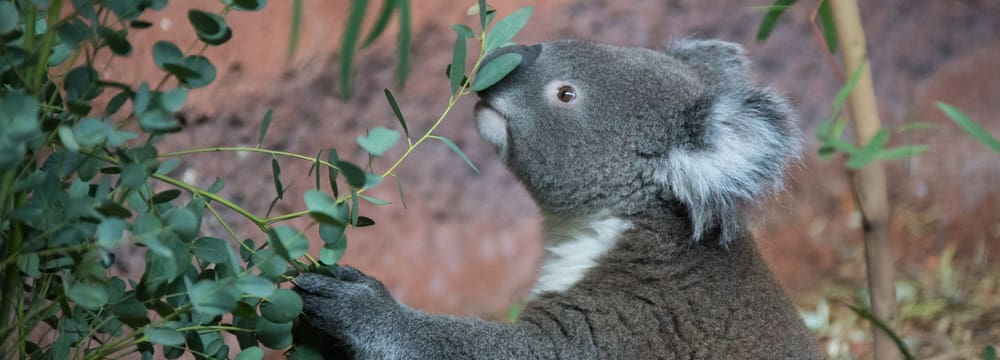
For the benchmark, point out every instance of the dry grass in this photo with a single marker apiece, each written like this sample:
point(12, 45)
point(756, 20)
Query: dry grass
point(947, 309)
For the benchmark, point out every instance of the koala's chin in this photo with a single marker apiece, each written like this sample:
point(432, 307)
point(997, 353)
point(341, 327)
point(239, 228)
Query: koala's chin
point(645, 164)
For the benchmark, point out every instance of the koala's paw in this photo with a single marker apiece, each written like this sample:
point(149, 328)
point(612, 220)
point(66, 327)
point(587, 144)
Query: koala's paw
point(347, 305)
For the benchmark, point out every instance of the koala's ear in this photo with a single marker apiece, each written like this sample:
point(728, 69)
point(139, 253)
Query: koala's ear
point(715, 61)
point(748, 140)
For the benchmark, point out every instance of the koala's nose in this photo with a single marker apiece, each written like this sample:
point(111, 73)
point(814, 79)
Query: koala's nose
point(528, 55)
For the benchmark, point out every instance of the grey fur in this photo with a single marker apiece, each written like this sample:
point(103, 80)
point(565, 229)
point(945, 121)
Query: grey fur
point(671, 148)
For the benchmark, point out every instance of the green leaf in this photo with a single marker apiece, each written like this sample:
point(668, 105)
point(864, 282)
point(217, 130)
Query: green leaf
point(282, 306)
point(91, 297)
point(379, 140)
point(845, 91)
point(90, 132)
point(184, 222)
point(374, 200)
point(971, 127)
point(213, 298)
point(255, 286)
point(164, 336)
point(901, 152)
point(212, 250)
point(174, 99)
point(109, 233)
point(276, 175)
point(397, 112)
point(67, 139)
point(273, 335)
point(82, 84)
point(399, 187)
point(264, 124)
point(349, 44)
point(166, 195)
point(142, 99)
point(210, 28)
point(770, 19)
point(989, 353)
point(116, 41)
point(249, 5)
point(495, 70)
point(456, 73)
point(458, 151)
point(9, 18)
point(288, 242)
point(866, 314)
point(202, 67)
point(381, 22)
point(482, 9)
point(335, 243)
point(271, 266)
point(506, 28)
point(325, 210)
point(829, 27)
point(354, 175)
point(464, 30)
point(166, 52)
point(294, 34)
point(403, 48)
point(251, 353)
point(870, 151)
point(332, 172)
point(355, 208)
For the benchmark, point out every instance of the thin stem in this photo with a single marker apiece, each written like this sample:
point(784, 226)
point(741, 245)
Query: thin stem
point(248, 149)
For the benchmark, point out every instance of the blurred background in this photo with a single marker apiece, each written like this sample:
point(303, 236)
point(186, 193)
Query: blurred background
point(469, 244)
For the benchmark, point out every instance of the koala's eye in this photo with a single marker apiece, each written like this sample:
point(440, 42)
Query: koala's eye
point(566, 94)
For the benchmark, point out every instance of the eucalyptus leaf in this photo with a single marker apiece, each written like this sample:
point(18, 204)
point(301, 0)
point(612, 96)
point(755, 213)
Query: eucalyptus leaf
point(250, 353)
point(458, 151)
point(255, 286)
point(165, 52)
point(971, 127)
point(355, 176)
point(164, 336)
point(770, 19)
point(91, 297)
point(379, 140)
point(282, 306)
point(506, 28)
point(495, 70)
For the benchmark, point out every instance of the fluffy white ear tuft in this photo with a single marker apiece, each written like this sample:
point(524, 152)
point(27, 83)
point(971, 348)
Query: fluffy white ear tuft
point(751, 140)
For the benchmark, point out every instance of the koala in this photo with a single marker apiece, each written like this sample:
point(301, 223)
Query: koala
point(645, 164)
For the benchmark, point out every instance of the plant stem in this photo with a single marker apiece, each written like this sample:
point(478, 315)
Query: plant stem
point(247, 149)
point(870, 181)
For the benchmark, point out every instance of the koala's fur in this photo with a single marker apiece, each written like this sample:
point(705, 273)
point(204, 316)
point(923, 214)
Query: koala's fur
point(644, 180)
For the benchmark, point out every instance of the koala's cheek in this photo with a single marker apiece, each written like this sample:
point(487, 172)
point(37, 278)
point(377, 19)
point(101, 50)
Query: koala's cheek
point(493, 128)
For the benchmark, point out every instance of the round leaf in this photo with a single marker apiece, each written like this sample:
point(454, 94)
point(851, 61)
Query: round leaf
point(325, 210)
point(91, 297)
point(203, 67)
point(211, 250)
point(184, 223)
point(379, 140)
point(288, 242)
point(166, 52)
point(109, 233)
point(273, 335)
point(249, 5)
point(282, 306)
point(255, 286)
point(495, 70)
point(164, 336)
point(8, 17)
point(213, 298)
point(210, 28)
point(250, 353)
point(115, 40)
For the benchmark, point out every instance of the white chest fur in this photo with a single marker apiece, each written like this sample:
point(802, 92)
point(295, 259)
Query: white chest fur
point(572, 247)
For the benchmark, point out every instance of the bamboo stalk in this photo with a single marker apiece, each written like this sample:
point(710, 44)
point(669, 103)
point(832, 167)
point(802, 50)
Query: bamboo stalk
point(870, 181)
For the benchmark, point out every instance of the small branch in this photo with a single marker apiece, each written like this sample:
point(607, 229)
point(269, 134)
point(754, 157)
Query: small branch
point(871, 194)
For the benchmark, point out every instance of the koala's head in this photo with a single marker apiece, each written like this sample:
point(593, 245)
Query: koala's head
point(592, 128)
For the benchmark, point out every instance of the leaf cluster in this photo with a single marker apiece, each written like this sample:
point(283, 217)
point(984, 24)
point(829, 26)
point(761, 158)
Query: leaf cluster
point(82, 180)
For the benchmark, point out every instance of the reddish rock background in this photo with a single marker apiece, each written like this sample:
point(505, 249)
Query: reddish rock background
point(469, 244)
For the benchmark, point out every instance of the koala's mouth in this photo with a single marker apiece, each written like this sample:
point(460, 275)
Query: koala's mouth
point(492, 125)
